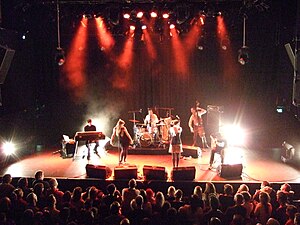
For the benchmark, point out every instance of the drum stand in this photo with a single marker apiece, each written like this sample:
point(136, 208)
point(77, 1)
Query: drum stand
point(135, 129)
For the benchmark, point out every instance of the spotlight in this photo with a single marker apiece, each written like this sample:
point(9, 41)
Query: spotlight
point(165, 15)
point(182, 14)
point(235, 135)
point(243, 55)
point(126, 15)
point(172, 26)
point(153, 14)
point(139, 14)
point(144, 27)
point(114, 16)
point(9, 148)
point(132, 27)
point(200, 43)
point(225, 44)
point(60, 56)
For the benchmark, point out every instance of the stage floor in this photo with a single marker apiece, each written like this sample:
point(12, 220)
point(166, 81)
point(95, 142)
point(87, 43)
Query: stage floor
point(258, 165)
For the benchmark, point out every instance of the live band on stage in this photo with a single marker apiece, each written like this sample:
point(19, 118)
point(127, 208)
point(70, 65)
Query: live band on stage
point(153, 132)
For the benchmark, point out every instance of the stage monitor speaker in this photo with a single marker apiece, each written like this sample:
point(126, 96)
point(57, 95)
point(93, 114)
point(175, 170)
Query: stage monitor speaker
point(70, 149)
point(96, 171)
point(125, 172)
point(6, 56)
point(183, 173)
point(231, 171)
point(155, 173)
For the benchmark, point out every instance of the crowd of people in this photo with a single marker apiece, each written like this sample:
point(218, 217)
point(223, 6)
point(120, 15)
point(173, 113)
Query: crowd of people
point(41, 202)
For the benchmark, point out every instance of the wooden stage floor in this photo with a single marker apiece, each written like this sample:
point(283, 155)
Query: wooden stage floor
point(258, 165)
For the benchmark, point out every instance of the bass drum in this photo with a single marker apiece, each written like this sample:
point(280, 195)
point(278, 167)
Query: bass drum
point(145, 140)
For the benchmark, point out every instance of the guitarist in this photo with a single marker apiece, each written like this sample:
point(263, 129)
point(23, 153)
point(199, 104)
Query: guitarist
point(196, 126)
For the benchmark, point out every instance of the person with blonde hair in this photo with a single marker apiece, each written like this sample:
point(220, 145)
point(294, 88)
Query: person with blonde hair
point(123, 139)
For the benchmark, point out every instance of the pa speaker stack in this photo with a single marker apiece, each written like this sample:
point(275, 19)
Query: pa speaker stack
point(125, 172)
point(96, 171)
point(155, 173)
point(231, 171)
point(183, 173)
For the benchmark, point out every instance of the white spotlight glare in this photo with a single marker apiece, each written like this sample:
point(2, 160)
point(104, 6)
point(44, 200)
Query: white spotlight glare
point(234, 135)
point(9, 148)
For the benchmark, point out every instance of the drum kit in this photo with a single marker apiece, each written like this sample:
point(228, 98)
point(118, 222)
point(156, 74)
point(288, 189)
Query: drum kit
point(155, 136)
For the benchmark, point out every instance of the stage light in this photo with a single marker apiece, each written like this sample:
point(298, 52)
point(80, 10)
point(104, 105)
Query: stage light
point(24, 35)
point(200, 44)
point(165, 15)
point(144, 27)
point(60, 56)
point(153, 14)
point(234, 135)
point(172, 26)
point(202, 19)
point(243, 55)
point(280, 109)
point(114, 15)
point(182, 14)
point(139, 15)
point(8, 148)
point(225, 44)
point(132, 27)
point(126, 15)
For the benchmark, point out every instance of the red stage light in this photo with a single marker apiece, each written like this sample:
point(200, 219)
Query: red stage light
point(139, 14)
point(153, 14)
point(165, 15)
point(126, 16)
point(172, 26)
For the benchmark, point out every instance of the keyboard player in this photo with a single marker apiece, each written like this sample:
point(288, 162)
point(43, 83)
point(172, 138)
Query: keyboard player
point(90, 127)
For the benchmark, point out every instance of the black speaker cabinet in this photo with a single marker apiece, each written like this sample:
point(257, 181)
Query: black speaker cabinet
point(125, 172)
point(184, 173)
point(155, 173)
point(231, 171)
point(96, 171)
point(70, 149)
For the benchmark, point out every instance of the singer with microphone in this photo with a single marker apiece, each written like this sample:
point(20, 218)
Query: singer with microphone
point(175, 147)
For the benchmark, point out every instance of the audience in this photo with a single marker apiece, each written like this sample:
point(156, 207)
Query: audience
point(6, 188)
point(263, 209)
point(50, 206)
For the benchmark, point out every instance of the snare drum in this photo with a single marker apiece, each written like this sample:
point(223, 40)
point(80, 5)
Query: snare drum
point(145, 140)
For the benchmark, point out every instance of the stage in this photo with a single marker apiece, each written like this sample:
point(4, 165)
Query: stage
point(257, 164)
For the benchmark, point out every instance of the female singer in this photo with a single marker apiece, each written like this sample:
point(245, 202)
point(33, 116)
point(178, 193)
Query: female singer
point(122, 137)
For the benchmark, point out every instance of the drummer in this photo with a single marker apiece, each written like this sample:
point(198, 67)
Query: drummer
point(151, 120)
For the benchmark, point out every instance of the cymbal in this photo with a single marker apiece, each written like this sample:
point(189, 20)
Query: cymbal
point(134, 121)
